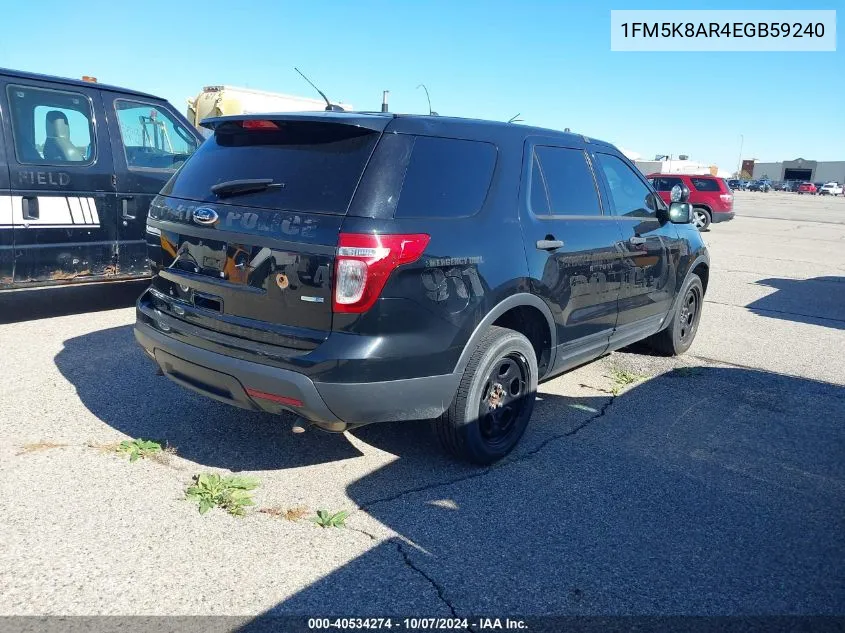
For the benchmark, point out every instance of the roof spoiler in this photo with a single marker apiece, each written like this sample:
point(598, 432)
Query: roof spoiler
point(376, 122)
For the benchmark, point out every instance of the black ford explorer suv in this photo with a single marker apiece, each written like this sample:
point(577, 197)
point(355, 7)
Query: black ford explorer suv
point(356, 268)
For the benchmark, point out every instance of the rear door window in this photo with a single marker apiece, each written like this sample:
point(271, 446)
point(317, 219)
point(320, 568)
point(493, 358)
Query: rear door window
point(446, 178)
point(705, 184)
point(314, 166)
point(566, 182)
point(663, 183)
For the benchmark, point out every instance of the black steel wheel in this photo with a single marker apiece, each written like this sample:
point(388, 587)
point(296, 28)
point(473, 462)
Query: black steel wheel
point(494, 399)
point(503, 399)
point(679, 333)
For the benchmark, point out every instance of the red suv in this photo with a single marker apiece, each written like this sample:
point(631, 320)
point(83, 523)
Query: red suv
point(710, 196)
point(806, 187)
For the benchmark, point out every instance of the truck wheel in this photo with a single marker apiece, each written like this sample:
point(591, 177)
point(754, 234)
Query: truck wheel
point(701, 218)
point(677, 337)
point(494, 401)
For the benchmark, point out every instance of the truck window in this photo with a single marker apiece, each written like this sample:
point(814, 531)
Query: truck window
point(51, 126)
point(151, 137)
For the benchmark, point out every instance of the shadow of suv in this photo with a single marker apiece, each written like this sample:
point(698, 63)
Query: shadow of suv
point(357, 268)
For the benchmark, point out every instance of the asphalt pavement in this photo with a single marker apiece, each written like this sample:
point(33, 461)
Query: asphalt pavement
point(713, 484)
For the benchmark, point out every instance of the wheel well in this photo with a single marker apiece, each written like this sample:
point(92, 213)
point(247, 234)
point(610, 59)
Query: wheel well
point(703, 272)
point(531, 323)
point(703, 206)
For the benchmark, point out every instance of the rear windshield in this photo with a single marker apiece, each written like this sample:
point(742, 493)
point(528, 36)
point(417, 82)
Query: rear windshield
point(315, 167)
point(705, 184)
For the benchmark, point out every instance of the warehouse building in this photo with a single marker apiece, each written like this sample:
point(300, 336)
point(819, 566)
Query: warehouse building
point(800, 169)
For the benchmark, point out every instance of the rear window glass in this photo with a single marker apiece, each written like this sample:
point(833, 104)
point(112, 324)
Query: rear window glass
point(705, 184)
point(315, 166)
point(446, 178)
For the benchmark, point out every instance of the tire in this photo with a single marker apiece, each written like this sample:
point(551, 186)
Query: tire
point(487, 418)
point(677, 337)
point(701, 218)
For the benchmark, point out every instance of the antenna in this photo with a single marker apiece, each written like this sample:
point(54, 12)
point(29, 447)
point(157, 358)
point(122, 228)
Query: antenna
point(514, 118)
point(329, 105)
point(430, 111)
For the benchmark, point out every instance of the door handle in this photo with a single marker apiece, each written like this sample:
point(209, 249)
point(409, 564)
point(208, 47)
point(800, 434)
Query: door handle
point(636, 239)
point(124, 206)
point(549, 244)
point(29, 207)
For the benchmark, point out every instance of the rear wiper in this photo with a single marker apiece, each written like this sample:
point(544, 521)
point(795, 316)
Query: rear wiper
point(245, 185)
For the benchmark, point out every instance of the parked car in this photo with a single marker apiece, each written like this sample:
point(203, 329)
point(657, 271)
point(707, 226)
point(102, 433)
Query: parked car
point(831, 189)
point(736, 185)
point(710, 196)
point(759, 185)
point(806, 187)
point(84, 161)
point(420, 305)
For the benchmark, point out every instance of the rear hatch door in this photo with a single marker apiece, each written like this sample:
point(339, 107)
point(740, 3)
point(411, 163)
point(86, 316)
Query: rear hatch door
point(243, 237)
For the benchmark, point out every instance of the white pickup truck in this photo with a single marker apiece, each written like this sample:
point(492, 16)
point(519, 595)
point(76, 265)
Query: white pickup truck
point(831, 188)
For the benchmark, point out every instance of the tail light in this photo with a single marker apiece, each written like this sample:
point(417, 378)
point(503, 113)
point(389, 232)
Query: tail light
point(364, 263)
point(259, 124)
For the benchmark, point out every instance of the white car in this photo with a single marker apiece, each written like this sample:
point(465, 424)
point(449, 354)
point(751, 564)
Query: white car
point(832, 188)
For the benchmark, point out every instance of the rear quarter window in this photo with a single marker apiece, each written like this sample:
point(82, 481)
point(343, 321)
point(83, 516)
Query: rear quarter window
point(446, 178)
point(705, 184)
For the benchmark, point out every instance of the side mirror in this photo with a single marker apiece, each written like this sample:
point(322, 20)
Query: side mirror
point(680, 193)
point(680, 212)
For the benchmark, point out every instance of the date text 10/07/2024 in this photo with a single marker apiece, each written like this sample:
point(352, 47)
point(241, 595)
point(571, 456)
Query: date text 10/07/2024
point(417, 624)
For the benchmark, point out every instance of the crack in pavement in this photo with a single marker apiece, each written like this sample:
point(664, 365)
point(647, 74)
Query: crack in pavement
point(486, 471)
point(441, 591)
point(406, 557)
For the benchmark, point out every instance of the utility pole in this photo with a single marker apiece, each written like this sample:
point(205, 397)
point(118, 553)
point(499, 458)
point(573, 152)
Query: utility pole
point(739, 160)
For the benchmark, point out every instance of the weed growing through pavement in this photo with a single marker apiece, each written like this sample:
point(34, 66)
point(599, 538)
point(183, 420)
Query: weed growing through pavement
point(326, 519)
point(622, 378)
point(229, 493)
point(139, 448)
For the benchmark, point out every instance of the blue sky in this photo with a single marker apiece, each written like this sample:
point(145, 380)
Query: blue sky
point(549, 61)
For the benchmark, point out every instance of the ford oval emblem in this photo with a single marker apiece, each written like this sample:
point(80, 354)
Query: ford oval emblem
point(204, 215)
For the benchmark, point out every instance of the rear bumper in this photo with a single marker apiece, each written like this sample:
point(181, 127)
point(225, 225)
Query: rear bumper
point(333, 406)
point(722, 216)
